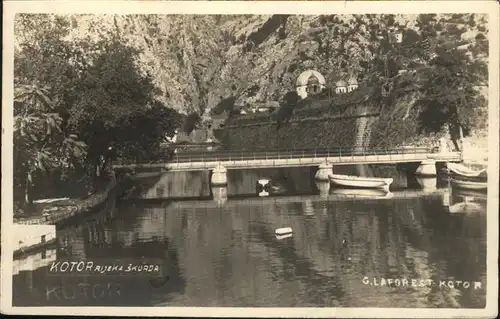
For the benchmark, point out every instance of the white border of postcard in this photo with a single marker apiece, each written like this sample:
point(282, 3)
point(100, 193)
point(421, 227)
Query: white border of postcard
point(252, 7)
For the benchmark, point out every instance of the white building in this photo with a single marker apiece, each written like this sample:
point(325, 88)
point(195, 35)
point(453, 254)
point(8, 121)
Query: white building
point(310, 82)
point(352, 84)
point(340, 87)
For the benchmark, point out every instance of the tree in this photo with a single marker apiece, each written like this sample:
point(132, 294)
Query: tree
point(448, 85)
point(288, 104)
point(39, 143)
point(116, 108)
point(449, 95)
point(141, 138)
point(225, 105)
point(190, 123)
point(71, 88)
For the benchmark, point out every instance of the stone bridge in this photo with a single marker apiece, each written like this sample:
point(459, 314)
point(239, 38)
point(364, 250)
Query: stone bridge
point(219, 162)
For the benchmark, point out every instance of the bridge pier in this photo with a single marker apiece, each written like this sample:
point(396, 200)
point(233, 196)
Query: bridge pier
point(426, 168)
point(324, 188)
point(219, 176)
point(325, 169)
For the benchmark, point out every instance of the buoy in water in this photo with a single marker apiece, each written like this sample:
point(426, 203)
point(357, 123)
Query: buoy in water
point(263, 182)
point(283, 231)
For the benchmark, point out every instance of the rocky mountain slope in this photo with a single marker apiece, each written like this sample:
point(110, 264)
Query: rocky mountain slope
point(198, 61)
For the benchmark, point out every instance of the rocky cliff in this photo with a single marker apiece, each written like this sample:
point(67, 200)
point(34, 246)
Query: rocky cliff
point(199, 60)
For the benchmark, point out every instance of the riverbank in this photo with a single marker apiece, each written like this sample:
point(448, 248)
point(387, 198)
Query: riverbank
point(61, 211)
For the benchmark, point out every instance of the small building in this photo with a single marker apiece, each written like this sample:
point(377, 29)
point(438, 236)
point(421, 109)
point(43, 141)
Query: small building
point(352, 84)
point(340, 87)
point(310, 82)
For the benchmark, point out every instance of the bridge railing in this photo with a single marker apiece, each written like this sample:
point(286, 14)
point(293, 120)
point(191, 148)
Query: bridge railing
point(293, 154)
point(409, 153)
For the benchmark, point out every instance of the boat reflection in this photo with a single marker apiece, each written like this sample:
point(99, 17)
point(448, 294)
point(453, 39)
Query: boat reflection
point(478, 195)
point(263, 193)
point(362, 193)
point(281, 237)
point(465, 201)
point(465, 207)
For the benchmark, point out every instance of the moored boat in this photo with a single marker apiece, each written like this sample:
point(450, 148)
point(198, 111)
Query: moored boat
point(467, 184)
point(283, 231)
point(463, 171)
point(360, 182)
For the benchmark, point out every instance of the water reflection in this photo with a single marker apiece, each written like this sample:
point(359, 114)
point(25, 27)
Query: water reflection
point(428, 184)
point(229, 255)
point(220, 195)
point(263, 193)
point(362, 193)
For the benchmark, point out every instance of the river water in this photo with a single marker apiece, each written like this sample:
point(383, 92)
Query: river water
point(219, 248)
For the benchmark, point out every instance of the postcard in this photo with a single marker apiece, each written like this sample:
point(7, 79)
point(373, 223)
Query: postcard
point(250, 159)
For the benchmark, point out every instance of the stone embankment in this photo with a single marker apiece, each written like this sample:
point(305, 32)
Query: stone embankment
point(56, 214)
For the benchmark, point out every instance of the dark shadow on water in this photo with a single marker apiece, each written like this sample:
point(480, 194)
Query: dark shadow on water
point(319, 287)
point(89, 238)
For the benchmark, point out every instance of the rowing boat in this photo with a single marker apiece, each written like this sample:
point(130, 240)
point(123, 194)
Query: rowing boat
point(360, 182)
point(464, 171)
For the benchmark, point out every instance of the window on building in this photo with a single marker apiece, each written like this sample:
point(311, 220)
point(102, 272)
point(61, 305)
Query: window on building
point(313, 86)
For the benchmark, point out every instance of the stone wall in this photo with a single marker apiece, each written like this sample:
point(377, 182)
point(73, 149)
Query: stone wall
point(321, 126)
point(57, 214)
point(366, 122)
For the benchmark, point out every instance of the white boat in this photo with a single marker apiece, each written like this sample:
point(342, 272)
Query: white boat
point(469, 184)
point(283, 231)
point(464, 171)
point(360, 182)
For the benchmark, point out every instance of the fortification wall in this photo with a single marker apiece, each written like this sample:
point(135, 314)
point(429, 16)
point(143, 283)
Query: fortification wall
point(371, 123)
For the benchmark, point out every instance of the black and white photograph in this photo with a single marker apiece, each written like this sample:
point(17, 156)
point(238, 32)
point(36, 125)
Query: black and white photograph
point(320, 159)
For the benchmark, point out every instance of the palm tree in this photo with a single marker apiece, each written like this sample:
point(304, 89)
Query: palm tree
point(39, 142)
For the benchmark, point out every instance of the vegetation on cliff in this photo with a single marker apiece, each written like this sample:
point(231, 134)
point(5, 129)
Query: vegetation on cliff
point(432, 77)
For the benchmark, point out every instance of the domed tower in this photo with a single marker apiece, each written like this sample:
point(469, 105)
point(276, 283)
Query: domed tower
point(352, 84)
point(313, 86)
point(309, 82)
point(340, 87)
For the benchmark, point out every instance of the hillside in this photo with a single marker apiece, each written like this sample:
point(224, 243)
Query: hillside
point(196, 61)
